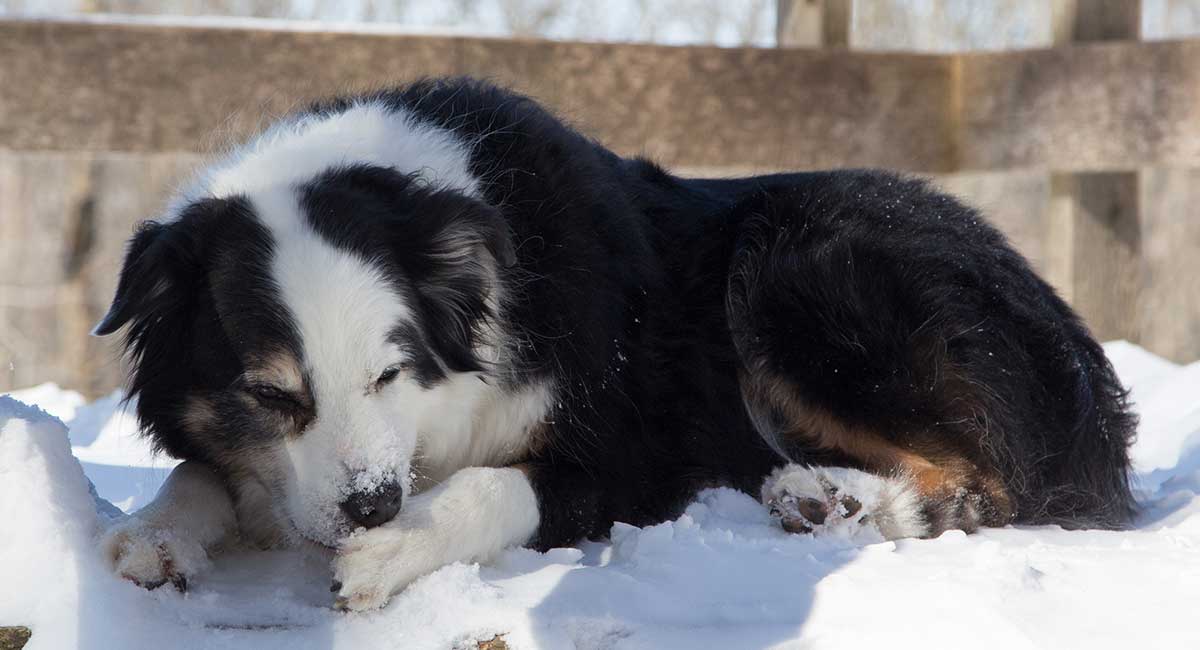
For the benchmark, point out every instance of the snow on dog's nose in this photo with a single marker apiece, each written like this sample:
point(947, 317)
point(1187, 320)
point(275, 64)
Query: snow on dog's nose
point(375, 506)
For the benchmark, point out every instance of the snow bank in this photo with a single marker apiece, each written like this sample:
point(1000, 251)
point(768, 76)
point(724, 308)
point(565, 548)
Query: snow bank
point(722, 575)
point(48, 517)
point(104, 438)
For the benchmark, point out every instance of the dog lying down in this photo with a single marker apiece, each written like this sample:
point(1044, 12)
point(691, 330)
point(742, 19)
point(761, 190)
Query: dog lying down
point(422, 325)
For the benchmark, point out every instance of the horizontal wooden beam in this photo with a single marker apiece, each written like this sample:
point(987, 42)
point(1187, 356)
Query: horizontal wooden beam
point(105, 87)
point(142, 88)
point(1092, 107)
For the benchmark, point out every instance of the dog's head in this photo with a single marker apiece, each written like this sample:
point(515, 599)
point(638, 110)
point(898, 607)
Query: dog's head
point(300, 336)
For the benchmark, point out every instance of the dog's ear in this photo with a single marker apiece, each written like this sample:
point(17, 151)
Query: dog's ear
point(465, 249)
point(499, 240)
point(143, 277)
point(163, 261)
point(468, 228)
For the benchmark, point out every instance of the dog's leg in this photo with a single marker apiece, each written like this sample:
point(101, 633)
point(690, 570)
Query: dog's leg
point(470, 517)
point(170, 539)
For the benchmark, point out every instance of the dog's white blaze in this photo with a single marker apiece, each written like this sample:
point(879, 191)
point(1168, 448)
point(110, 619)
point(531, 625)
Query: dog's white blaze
point(296, 150)
point(343, 309)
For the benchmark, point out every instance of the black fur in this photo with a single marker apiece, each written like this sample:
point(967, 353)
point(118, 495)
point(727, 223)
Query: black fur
point(197, 296)
point(647, 298)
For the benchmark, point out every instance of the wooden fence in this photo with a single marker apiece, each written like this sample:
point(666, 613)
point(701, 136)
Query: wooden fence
point(1084, 153)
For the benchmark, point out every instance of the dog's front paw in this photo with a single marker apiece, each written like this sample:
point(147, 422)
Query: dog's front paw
point(372, 565)
point(843, 501)
point(471, 517)
point(151, 556)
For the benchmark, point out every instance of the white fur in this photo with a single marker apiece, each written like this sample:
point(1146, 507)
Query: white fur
point(343, 308)
point(297, 149)
point(471, 517)
point(170, 538)
point(891, 506)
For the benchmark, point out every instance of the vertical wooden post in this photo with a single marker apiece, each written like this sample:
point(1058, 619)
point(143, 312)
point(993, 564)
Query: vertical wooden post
point(813, 23)
point(1094, 219)
point(1094, 223)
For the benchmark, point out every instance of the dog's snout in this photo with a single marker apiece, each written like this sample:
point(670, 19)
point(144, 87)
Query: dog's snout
point(374, 507)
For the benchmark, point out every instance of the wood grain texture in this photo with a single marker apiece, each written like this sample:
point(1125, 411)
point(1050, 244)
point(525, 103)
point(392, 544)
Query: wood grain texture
point(1094, 107)
point(160, 89)
point(64, 222)
point(1102, 239)
point(1168, 310)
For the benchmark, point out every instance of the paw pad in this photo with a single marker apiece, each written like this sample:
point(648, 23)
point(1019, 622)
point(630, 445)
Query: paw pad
point(805, 501)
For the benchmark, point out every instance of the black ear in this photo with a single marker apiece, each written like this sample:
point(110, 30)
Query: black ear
point(142, 278)
point(446, 225)
point(448, 261)
point(462, 227)
point(164, 262)
point(497, 238)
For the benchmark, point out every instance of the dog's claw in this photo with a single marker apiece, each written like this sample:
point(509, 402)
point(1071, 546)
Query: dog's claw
point(143, 557)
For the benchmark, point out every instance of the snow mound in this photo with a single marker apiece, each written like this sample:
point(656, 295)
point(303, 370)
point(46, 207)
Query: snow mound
point(721, 575)
point(104, 438)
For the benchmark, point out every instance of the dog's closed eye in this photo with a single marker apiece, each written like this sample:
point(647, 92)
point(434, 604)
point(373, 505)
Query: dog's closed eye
point(389, 375)
point(273, 397)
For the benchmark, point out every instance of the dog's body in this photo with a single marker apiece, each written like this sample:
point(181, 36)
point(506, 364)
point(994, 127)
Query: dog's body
point(440, 314)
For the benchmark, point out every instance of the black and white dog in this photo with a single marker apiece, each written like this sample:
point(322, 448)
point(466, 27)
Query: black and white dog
point(423, 325)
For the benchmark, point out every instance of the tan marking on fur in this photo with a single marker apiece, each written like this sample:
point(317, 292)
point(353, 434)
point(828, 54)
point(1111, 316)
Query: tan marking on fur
point(278, 369)
point(938, 470)
point(198, 414)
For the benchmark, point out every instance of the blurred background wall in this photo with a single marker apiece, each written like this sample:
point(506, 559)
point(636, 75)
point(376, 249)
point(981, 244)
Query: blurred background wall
point(1119, 238)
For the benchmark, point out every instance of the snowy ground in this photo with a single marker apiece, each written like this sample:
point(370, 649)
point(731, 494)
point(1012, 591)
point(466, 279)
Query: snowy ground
point(721, 576)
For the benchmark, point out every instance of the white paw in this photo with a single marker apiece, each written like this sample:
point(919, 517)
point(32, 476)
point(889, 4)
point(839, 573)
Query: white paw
point(471, 517)
point(371, 565)
point(844, 502)
point(151, 556)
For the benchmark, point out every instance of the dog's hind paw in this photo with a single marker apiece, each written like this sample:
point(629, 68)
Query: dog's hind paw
point(150, 556)
point(842, 501)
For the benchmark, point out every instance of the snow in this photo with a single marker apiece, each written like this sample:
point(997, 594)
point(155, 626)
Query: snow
point(722, 575)
point(121, 465)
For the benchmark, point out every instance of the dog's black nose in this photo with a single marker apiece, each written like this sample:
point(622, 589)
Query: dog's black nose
point(372, 508)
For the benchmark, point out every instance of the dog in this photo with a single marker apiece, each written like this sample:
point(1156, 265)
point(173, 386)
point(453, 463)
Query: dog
point(421, 325)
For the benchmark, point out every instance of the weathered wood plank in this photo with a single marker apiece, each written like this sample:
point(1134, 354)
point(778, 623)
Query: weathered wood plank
point(156, 89)
point(1096, 20)
point(1093, 107)
point(1096, 216)
point(813, 23)
point(64, 221)
point(1088, 108)
point(1168, 313)
point(1101, 241)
